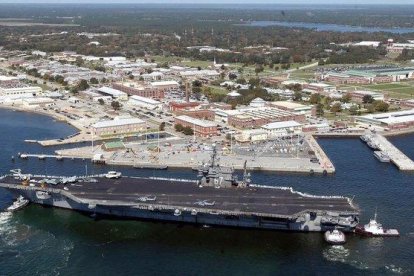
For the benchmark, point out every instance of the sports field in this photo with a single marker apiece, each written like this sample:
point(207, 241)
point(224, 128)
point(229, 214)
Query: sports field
point(402, 90)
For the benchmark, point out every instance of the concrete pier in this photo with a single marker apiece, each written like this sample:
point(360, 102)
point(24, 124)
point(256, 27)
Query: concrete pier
point(397, 157)
point(324, 160)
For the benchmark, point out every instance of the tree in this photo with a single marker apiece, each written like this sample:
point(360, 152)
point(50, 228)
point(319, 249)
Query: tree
point(346, 98)
point(196, 86)
point(353, 110)
point(101, 101)
point(241, 81)
point(319, 109)
point(82, 85)
point(297, 96)
point(116, 105)
point(258, 69)
point(367, 99)
point(178, 127)
point(381, 106)
point(188, 130)
point(232, 76)
point(315, 98)
point(336, 108)
point(162, 126)
point(94, 81)
point(254, 82)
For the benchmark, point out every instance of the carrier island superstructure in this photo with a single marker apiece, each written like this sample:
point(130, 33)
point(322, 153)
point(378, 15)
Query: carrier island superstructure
point(217, 198)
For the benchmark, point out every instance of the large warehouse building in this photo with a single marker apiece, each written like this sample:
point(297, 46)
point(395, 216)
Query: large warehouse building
point(391, 120)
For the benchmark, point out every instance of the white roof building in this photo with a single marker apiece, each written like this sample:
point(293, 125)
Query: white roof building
point(119, 125)
point(284, 128)
point(114, 93)
point(144, 102)
point(196, 122)
point(257, 102)
point(234, 94)
point(118, 121)
point(392, 119)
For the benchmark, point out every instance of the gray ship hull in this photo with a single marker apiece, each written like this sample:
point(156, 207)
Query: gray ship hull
point(83, 201)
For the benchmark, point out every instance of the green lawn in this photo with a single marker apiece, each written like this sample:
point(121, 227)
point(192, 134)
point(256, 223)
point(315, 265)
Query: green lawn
point(218, 90)
point(395, 90)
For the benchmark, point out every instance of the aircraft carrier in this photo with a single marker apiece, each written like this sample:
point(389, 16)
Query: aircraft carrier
point(216, 198)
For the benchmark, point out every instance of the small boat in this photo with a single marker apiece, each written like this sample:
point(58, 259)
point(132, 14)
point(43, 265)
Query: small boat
point(18, 204)
point(42, 157)
point(364, 138)
point(113, 175)
point(382, 156)
point(59, 158)
point(335, 237)
point(23, 156)
point(372, 145)
point(177, 212)
point(374, 229)
point(151, 167)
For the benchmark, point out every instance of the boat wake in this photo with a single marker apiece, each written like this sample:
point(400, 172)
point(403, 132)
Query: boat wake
point(339, 253)
point(336, 253)
point(23, 246)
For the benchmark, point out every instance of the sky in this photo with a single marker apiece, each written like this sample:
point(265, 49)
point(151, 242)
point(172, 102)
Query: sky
point(286, 2)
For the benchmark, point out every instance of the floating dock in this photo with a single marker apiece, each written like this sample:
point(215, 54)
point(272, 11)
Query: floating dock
point(397, 157)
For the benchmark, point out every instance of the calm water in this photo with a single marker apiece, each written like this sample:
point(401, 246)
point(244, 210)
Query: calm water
point(46, 241)
point(321, 27)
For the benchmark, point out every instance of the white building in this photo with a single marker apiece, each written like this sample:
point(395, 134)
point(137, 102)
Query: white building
point(119, 125)
point(211, 74)
point(280, 129)
point(165, 85)
point(144, 102)
point(251, 135)
point(20, 91)
point(257, 102)
point(114, 93)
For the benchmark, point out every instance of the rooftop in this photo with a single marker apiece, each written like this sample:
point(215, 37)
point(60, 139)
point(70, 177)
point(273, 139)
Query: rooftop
point(277, 125)
point(198, 122)
point(118, 122)
point(111, 91)
point(145, 100)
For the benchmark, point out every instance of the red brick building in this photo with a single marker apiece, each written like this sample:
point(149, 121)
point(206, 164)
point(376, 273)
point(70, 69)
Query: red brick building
point(175, 106)
point(138, 90)
point(201, 128)
point(254, 118)
point(204, 114)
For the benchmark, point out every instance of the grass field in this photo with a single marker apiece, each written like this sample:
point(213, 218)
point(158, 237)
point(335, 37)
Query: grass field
point(402, 90)
point(247, 72)
point(218, 90)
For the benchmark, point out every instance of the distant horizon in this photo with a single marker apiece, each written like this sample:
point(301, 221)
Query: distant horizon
point(216, 2)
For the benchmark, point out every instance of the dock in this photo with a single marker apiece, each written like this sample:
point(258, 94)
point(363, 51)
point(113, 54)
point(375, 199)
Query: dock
point(403, 162)
point(45, 156)
point(324, 160)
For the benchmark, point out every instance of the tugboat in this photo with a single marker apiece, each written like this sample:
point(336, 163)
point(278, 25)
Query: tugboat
point(335, 237)
point(113, 175)
point(20, 203)
point(374, 229)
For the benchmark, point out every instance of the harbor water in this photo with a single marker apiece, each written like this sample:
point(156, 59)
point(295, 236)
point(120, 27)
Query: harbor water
point(47, 241)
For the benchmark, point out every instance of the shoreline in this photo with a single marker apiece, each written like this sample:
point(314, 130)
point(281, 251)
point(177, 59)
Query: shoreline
point(39, 112)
